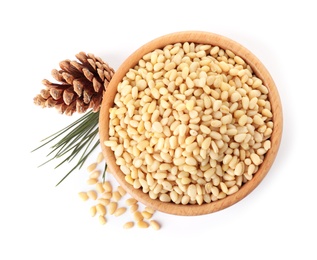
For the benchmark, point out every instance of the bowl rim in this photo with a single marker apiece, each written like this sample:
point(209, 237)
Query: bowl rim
point(259, 69)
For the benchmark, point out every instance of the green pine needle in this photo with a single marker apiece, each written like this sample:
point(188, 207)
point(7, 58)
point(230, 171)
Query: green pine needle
point(77, 139)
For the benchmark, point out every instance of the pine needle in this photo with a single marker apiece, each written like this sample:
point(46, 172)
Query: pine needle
point(73, 141)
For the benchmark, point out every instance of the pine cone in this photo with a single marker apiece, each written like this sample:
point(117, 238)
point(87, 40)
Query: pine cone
point(81, 85)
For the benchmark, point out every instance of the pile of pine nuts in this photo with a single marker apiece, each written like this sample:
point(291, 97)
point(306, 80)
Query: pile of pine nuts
point(191, 123)
point(108, 196)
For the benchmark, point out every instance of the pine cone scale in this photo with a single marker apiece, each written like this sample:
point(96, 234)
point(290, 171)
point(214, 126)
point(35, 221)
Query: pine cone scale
point(82, 57)
point(45, 93)
point(101, 74)
point(92, 63)
point(68, 96)
point(67, 66)
point(57, 75)
point(39, 100)
point(56, 93)
point(79, 67)
point(96, 84)
point(68, 78)
point(78, 87)
point(81, 107)
point(88, 74)
point(87, 95)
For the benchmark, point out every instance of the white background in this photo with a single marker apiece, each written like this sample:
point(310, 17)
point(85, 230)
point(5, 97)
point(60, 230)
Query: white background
point(278, 220)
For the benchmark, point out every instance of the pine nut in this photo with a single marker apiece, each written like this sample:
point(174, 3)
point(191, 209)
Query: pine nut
point(134, 208)
point(191, 191)
point(155, 225)
point(165, 197)
point(146, 214)
point(91, 167)
point(103, 201)
point(99, 188)
point(157, 127)
point(107, 186)
point(128, 225)
point(130, 201)
point(106, 195)
point(93, 211)
point(267, 145)
point(120, 211)
point(239, 169)
point(99, 158)
point(142, 224)
point(267, 113)
point(101, 209)
point(233, 189)
point(92, 181)
point(138, 216)
point(83, 196)
point(116, 196)
point(92, 194)
point(239, 138)
point(102, 220)
point(121, 190)
point(112, 207)
point(95, 174)
point(255, 159)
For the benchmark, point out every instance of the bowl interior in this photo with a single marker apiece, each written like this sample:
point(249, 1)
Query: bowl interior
point(203, 38)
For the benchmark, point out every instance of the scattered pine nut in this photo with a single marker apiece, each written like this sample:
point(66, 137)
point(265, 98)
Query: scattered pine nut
point(155, 225)
point(92, 194)
point(149, 209)
point(108, 200)
point(99, 158)
point(103, 201)
point(142, 224)
point(93, 211)
point(102, 220)
point(112, 207)
point(92, 181)
point(137, 216)
point(92, 167)
point(134, 208)
point(116, 196)
point(95, 174)
point(101, 209)
point(130, 201)
point(146, 214)
point(83, 196)
point(99, 187)
point(106, 195)
point(107, 186)
point(120, 211)
point(121, 191)
point(128, 225)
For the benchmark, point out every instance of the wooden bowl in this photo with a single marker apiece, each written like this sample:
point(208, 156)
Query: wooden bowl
point(259, 70)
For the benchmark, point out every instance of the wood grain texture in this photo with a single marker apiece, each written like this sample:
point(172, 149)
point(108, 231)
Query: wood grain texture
point(204, 38)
